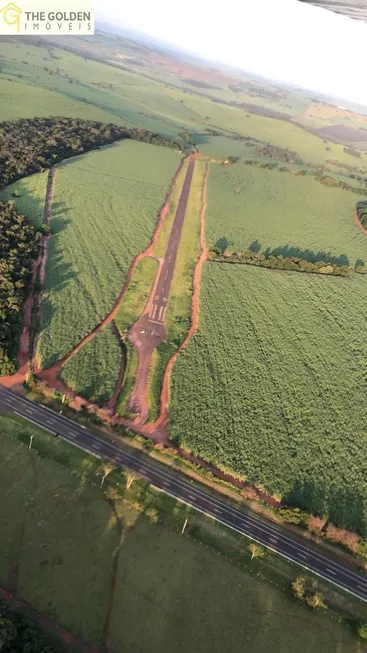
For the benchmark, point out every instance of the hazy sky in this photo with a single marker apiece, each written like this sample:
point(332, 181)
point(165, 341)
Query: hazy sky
point(282, 39)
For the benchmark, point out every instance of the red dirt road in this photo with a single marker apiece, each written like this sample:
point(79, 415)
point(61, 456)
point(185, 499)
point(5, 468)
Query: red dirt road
point(149, 331)
point(52, 372)
point(24, 353)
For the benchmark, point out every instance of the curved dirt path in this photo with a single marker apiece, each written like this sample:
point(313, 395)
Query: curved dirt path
point(160, 425)
point(53, 371)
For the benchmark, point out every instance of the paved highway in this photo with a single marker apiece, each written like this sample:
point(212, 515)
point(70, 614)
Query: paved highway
point(210, 504)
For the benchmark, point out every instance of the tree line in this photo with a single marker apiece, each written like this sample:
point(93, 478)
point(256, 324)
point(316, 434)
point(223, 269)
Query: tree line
point(361, 208)
point(30, 145)
point(19, 243)
point(19, 634)
point(280, 259)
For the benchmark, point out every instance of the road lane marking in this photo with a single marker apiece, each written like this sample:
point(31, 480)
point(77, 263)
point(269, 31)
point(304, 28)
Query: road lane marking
point(301, 555)
point(273, 539)
point(50, 421)
point(33, 422)
point(251, 537)
point(166, 484)
point(95, 446)
point(232, 511)
point(73, 434)
point(330, 571)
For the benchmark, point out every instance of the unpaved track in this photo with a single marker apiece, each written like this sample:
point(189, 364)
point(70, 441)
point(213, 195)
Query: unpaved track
point(149, 331)
point(24, 353)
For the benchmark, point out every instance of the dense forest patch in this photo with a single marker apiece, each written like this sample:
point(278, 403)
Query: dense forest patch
point(32, 144)
point(18, 248)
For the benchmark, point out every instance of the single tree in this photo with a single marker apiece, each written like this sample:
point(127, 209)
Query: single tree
point(298, 587)
point(130, 476)
point(256, 551)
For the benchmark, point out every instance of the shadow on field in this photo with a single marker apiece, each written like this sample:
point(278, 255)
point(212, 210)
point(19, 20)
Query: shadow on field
point(58, 273)
point(312, 256)
point(344, 507)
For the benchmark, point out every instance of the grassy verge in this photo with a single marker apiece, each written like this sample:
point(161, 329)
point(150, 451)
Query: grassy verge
point(129, 380)
point(161, 244)
point(137, 294)
point(180, 298)
point(63, 539)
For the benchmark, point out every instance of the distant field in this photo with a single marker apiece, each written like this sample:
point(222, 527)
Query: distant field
point(22, 100)
point(277, 132)
point(57, 543)
point(272, 386)
point(93, 371)
point(60, 83)
point(247, 204)
point(47, 80)
point(104, 211)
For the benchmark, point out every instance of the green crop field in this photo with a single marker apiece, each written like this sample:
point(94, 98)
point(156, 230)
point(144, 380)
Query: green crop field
point(247, 204)
point(93, 371)
point(272, 386)
point(31, 200)
point(53, 81)
point(104, 211)
point(58, 540)
point(277, 132)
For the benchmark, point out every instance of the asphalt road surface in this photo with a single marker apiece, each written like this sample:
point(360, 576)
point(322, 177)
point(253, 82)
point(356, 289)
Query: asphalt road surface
point(212, 505)
point(166, 273)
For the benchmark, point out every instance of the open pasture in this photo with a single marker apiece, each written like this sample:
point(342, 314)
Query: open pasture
point(59, 539)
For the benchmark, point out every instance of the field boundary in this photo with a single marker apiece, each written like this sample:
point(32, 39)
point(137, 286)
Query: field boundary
point(46, 623)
